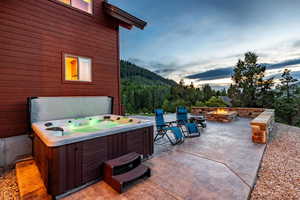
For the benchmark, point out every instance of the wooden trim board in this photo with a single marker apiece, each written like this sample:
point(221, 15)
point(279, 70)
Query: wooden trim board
point(30, 183)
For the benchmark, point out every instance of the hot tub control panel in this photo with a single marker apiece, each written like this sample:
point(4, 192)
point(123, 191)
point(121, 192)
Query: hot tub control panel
point(48, 124)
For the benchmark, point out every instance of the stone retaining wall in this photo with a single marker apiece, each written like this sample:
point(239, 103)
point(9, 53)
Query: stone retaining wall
point(242, 112)
point(262, 126)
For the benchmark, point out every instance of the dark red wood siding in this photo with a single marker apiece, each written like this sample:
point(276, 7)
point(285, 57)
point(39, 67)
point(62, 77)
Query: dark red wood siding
point(33, 36)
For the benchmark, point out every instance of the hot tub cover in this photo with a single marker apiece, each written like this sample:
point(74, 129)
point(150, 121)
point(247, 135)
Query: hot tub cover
point(55, 108)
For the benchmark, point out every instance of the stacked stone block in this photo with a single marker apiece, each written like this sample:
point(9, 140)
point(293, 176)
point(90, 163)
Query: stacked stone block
point(262, 126)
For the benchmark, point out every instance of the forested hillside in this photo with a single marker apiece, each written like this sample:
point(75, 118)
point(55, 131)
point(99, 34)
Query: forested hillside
point(143, 91)
point(131, 72)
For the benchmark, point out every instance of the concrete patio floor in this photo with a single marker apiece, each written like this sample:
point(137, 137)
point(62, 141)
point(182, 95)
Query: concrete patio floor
point(221, 164)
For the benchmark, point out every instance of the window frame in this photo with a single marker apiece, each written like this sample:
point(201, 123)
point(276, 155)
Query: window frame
point(64, 55)
point(76, 9)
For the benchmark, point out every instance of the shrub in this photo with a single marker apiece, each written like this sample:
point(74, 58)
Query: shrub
point(200, 104)
point(215, 102)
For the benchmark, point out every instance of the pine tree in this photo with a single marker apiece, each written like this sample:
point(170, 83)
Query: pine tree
point(287, 83)
point(265, 94)
point(248, 77)
point(207, 92)
point(287, 105)
point(234, 93)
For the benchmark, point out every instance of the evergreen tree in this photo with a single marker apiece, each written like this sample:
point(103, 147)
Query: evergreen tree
point(265, 94)
point(248, 77)
point(287, 104)
point(207, 92)
point(287, 83)
point(192, 85)
point(181, 82)
point(234, 93)
point(287, 110)
point(223, 92)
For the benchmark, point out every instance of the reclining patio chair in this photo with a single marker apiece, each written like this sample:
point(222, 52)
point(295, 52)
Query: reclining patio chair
point(192, 129)
point(182, 114)
point(199, 119)
point(165, 128)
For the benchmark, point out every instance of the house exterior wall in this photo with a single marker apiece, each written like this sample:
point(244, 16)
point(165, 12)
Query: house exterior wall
point(33, 37)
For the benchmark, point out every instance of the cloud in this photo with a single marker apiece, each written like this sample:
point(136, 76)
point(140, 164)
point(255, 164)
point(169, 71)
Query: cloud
point(227, 71)
point(136, 61)
point(164, 71)
point(212, 74)
point(168, 68)
point(209, 71)
point(283, 64)
point(296, 44)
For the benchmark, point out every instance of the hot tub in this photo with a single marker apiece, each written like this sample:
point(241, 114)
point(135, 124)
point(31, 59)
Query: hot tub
point(74, 136)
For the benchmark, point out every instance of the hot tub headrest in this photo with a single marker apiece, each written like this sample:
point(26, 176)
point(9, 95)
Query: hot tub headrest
point(54, 108)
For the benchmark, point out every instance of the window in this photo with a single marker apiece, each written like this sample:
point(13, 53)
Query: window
point(78, 68)
point(85, 5)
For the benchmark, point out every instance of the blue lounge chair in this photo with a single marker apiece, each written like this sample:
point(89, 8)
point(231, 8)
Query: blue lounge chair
point(192, 129)
point(165, 128)
point(182, 116)
point(200, 120)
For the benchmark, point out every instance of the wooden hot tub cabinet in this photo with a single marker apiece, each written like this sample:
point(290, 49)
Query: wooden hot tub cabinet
point(69, 166)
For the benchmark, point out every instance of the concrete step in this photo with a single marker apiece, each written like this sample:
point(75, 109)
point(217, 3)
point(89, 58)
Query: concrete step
point(30, 183)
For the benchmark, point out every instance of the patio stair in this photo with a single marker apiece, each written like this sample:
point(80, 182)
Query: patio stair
point(120, 172)
point(30, 183)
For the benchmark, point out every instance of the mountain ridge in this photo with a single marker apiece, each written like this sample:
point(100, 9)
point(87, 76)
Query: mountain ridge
point(136, 74)
point(226, 72)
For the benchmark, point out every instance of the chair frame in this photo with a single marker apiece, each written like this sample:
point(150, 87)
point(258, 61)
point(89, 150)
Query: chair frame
point(162, 131)
point(182, 123)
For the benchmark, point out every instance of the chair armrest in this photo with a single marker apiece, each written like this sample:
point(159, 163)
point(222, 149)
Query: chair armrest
point(171, 122)
point(197, 118)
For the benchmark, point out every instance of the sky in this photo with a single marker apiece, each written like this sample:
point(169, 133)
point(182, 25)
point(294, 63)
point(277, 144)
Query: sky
point(201, 40)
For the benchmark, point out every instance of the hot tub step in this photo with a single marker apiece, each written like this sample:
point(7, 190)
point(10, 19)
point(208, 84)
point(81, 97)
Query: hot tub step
point(121, 171)
point(119, 182)
point(122, 164)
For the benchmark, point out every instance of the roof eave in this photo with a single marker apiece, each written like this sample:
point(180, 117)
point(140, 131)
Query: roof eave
point(127, 19)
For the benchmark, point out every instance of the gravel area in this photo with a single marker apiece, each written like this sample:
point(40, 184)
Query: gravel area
point(279, 175)
point(8, 186)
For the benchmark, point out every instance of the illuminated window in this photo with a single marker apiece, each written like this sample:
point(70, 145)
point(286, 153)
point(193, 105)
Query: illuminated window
point(78, 68)
point(85, 5)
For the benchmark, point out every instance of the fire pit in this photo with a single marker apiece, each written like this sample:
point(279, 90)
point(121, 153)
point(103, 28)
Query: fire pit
point(221, 115)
